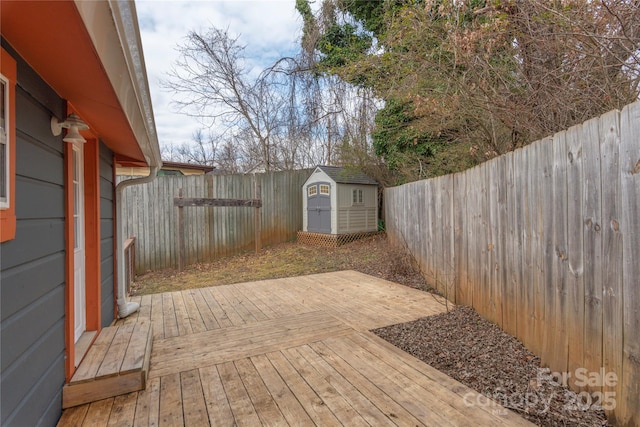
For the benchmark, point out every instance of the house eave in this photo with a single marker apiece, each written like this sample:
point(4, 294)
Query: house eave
point(90, 53)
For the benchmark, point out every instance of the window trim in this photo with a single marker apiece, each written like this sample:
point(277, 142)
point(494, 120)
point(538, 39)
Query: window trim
point(8, 70)
point(357, 197)
point(323, 186)
point(312, 190)
point(4, 140)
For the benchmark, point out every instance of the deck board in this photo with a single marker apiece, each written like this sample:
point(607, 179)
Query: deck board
point(292, 351)
point(93, 360)
point(194, 407)
point(171, 401)
point(215, 397)
point(340, 407)
point(196, 320)
point(241, 406)
point(122, 410)
point(361, 404)
point(320, 414)
point(182, 316)
point(263, 402)
point(204, 311)
point(392, 409)
point(157, 317)
point(219, 313)
point(169, 316)
point(99, 412)
point(290, 407)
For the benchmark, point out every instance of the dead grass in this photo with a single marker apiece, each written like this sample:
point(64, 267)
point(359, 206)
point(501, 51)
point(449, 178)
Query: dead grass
point(372, 256)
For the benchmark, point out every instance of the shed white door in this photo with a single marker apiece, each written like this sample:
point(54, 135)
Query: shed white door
point(319, 208)
point(79, 291)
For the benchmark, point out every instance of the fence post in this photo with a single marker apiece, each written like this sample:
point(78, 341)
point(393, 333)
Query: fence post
point(257, 225)
point(180, 234)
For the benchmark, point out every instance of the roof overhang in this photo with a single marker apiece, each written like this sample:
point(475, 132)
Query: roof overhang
point(90, 53)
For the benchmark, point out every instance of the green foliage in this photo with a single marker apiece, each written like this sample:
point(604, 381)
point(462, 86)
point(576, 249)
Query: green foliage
point(466, 80)
point(303, 8)
point(309, 23)
point(395, 134)
point(411, 153)
point(370, 13)
point(342, 45)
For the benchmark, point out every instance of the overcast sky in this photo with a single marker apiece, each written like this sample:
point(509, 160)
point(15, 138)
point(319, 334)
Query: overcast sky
point(269, 28)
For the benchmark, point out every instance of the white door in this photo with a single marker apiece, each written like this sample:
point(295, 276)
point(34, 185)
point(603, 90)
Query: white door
point(79, 291)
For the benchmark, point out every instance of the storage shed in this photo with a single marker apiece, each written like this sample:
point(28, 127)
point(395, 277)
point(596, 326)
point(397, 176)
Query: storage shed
point(338, 201)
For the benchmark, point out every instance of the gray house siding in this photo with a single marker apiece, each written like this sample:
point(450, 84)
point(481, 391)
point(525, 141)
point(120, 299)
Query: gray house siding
point(106, 234)
point(32, 265)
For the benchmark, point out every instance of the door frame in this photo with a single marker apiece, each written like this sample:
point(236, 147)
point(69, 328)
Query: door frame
point(318, 196)
point(79, 255)
point(91, 166)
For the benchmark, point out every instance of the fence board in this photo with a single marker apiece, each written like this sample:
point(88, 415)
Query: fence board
point(556, 350)
point(592, 211)
point(575, 244)
point(436, 225)
point(629, 411)
point(460, 244)
point(150, 216)
point(470, 218)
point(502, 230)
point(485, 293)
point(546, 241)
point(516, 269)
point(532, 246)
point(522, 208)
point(475, 239)
point(611, 248)
point(495, 286)
point(448, 237)
point(545, 230)
point(430, 218)
point(547, 285)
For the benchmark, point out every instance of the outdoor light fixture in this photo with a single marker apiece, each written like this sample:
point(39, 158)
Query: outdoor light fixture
point(74, 124)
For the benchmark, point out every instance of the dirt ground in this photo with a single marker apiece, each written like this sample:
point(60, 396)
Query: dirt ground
point(459, 343)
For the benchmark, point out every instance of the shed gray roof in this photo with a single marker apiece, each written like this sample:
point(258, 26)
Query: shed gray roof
point(347, 176)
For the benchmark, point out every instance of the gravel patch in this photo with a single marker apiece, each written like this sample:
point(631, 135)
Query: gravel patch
point(480, 355)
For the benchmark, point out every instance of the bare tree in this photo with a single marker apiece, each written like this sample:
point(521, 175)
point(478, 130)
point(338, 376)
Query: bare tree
point(282, 118)
point(211, 83)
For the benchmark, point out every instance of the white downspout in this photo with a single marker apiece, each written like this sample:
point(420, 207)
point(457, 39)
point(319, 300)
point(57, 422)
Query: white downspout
point(125, 307)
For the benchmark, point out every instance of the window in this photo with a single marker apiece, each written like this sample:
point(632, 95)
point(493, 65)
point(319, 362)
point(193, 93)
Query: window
point(357, 197)
point(170, 172)
point(324, 189)
point(7, 146)
point(4, 139)
point(312, 190)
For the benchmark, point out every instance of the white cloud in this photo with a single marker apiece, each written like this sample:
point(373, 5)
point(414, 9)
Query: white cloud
point(268, 28)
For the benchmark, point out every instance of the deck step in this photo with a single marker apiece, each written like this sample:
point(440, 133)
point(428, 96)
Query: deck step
point(117, 363)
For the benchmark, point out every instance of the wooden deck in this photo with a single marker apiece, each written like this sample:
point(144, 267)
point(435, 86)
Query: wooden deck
point(117, 363)
point(293, 351)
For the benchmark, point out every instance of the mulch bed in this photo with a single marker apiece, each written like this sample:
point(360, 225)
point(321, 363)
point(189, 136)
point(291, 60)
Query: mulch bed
point(477, 353)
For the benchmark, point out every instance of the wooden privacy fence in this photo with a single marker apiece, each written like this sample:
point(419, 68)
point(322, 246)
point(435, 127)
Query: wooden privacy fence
point(180, 202)
point(545, 242)
point(151, 217)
